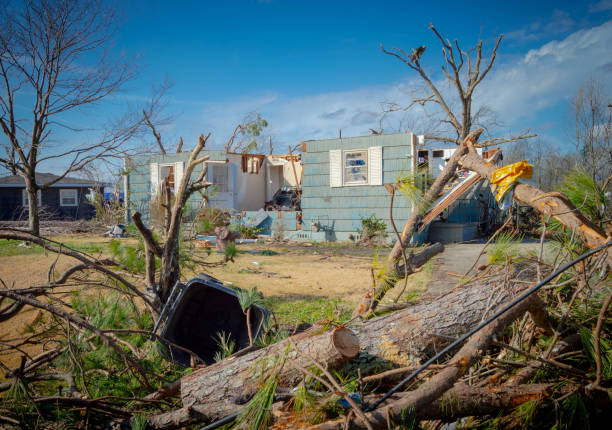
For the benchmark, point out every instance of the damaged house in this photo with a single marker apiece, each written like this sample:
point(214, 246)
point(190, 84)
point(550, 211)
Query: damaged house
point(343, 183)
point(324, 193)
point(243, 182)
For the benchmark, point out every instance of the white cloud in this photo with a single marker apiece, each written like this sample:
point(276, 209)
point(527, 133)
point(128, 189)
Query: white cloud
point(549, 74)
point(517, 90)
point(560, 22)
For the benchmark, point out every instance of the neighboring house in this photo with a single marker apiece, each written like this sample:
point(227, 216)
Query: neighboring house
point(66, 199)
point(344, 177)
point(243, 182)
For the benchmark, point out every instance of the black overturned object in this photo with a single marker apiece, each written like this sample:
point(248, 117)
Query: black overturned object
point(203, 308)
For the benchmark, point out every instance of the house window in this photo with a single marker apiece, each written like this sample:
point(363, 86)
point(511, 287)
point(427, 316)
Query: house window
point(356, 167)
point(68, 198)
point(219, 177)
point(24, 198)
point(438, 154)
point(167, 172)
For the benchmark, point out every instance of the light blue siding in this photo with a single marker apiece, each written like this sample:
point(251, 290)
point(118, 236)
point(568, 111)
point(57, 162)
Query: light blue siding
point(341, 209)
point(139, 178)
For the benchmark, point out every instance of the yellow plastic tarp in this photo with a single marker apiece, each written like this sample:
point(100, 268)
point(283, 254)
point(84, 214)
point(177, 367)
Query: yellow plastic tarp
point(504, 178)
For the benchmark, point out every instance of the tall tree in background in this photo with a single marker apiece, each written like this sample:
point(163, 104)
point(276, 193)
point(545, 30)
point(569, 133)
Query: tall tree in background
point(247, 136)
point(54, 61)
point(593, 130)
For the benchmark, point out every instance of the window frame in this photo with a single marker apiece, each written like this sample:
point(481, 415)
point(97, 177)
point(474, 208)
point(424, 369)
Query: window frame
point(160, 177)
point(366, 166)
point(216, 166)
point(24, 198)
point(63, 191)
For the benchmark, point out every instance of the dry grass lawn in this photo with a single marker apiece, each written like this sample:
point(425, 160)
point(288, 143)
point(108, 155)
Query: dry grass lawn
point(300, 282)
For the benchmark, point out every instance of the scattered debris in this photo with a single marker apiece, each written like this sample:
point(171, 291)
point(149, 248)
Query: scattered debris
point(285, 199)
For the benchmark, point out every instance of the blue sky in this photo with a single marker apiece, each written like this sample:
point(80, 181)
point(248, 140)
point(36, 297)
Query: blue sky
point(312, 68)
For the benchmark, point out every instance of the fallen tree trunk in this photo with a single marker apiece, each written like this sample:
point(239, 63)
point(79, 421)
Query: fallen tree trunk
point(435, 387)
point(403, 338)
point(550, 204)
point(213, 392)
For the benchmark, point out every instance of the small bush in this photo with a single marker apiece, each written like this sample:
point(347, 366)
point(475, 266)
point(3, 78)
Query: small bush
point(249, 232)
point(108, 212)
point(372, 229)
point(207, 219)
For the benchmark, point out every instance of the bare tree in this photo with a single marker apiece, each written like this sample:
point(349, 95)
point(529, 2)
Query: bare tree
point(45, 47)
point(593, 129)
point(465, 82)
point(154, 117)
point(464, 71)
point(169, 272)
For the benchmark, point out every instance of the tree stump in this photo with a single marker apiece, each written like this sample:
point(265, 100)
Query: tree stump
point(224, 237)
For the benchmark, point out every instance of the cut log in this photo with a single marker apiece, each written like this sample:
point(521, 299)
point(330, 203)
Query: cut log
point(218, 390)
point(404, 338)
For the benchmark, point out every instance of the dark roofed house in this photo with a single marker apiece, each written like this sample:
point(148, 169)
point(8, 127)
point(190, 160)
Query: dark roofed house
point(65, 199)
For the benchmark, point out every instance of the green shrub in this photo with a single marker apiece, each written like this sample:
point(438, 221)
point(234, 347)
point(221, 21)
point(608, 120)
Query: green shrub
point(249, 232)
point(207, 219)
point(372, 228)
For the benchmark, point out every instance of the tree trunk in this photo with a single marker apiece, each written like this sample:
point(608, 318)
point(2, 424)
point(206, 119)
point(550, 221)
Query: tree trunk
point(550, 204)
point(434, 387)
point(33, 215)
point(404, 338)
point(215, 391)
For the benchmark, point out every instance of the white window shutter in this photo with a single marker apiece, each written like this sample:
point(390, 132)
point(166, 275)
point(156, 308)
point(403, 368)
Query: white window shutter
point(335, 168)
point(375, 171)
point(154, 177)
point(178, 174)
